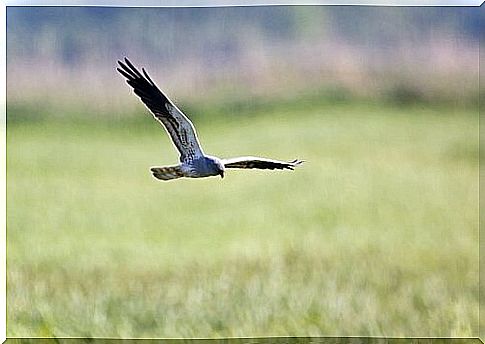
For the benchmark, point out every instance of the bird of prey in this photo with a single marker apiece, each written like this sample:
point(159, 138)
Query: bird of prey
point(193, 162)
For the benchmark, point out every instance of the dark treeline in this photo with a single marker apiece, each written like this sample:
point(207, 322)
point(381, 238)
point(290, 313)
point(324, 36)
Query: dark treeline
point(69, 33)
point(235, 54)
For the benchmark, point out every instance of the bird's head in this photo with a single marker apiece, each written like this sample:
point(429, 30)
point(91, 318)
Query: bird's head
point(220, 168)
point(217, 166)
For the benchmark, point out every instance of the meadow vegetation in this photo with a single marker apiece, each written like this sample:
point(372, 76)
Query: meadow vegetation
point(376, 234)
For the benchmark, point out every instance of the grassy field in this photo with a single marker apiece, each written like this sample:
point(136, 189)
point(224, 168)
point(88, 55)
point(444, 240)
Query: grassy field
point(376, 234)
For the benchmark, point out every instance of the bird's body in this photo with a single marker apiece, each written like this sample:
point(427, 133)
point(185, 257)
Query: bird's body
point(194, 163)
point(205, 166)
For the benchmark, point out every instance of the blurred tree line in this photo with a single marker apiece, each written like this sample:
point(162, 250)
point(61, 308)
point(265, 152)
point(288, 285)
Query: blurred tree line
point(404, 55)
point(68, 34)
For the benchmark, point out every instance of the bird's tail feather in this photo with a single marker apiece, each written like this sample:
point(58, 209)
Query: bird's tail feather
point(167, 172)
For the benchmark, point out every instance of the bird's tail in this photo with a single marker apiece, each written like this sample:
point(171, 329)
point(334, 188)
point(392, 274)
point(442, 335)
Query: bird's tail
point(167, 172)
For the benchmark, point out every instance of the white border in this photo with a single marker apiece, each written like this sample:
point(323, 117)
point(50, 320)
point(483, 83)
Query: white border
point(228, 3)
point(3, 173)
point(131, 3)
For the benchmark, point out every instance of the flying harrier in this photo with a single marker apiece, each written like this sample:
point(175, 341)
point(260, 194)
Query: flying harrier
point(193, 162)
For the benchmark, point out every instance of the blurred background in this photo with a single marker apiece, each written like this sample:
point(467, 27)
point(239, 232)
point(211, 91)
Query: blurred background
point(376, 234)
point(237, 58)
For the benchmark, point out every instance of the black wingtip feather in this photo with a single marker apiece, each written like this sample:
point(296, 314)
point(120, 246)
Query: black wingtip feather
point(126, 75)
point(147, 76)
point(143, 87)
point(294, 163)
point(133, 68)
point(128, 71)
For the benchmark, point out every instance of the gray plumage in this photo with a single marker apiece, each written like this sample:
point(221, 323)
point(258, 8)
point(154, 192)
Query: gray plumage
point(193, 162)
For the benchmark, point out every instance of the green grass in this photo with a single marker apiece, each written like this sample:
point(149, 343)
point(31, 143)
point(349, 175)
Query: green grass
point(376, 234)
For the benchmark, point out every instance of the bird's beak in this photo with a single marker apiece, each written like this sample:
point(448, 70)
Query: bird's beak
point(221, 174)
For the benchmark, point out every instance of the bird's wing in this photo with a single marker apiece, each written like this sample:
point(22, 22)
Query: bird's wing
point(260, 163)
point(178, 126)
